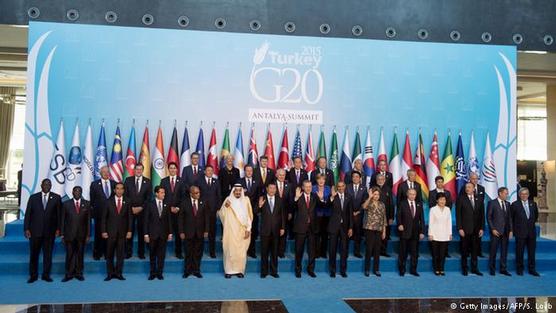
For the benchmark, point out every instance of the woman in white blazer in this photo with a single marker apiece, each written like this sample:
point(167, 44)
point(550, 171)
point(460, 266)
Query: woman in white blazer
point(440, 232)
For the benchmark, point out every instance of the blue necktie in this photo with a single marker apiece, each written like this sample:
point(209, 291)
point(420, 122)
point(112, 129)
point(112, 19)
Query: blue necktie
point(106, 190)
point(271, 202)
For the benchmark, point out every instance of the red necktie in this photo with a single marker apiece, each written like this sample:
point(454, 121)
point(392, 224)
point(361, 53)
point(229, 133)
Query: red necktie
point(172, 184)
point(412, 209)
point(77, 206)
point(119, 205)
point(195, 171)
point(194, 208)
point(308, 203)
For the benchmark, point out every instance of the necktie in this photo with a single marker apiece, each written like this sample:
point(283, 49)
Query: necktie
point(355, 189)
point(526, 206)
point(249, 183)
point(44, 201)
point(209, 181)
point(264, 175)
point(297, 175)
point(342, 202)
point(106, 190)
point(410, 184)
point(504, 206)
point(271, 203)
point(307, 202)
point(280, 189)
point(195, 170)
point(194, 207)
point(159, 208)
point(172, 184)
point(119, 205)
point(137, 185)
point(472, 199)
point(412, 208)
point(77, 206)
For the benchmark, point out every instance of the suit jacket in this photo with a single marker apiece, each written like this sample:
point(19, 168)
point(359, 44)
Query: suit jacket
point(306, 216)
point(172, 198)
point(270, 176)
point(193, 225)
point(272, 222)
point(227, 180)
point(189, 179)
point(402, 192)
point(470, 219)
point(39, 221)
point(292, 178)
point(138, 197)
point(341, 218)
point(412, 225)
point(359, 198)
point(329, 177)
point(211, 195)
point(154, 225)
point(116, 225)
point(254, 192)
point(389, 180)
point(524, 227)
point(98, 198)
point(73, 225)
point(288, 193)
point(387, 198)
point(499, 219)
point(347, 178)
point(432, 198)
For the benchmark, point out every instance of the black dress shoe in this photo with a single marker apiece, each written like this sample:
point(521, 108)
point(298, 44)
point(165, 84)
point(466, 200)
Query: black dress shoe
point(442, 273)
point(179, 256)
point(464, 273)
point(367, 273)
point(108, 278)
point(386, 255)
point(120, 277)
point(96, 258)
point(281, 256)
point(448, 255)
point(519, 273)
point(298, 274)
point(332, 274)
point(198, 275)
point(31, 280)
point(240, 275)
point(476, 272)
point(160, 277)
point(492, 273)
point(534, 273)
point(343, 274)
point(152, 276)
point(402, 274)
point(47, 279)
point(264, 275)
point(505, 273)
point(252, 255)
point(142, 257)
point(185, 275)
point(227, 276)
point(377, 273)
point(414, 274)
point(66, 279)
point(213, 255)
point(312, 274)
point(358, 255)
point(80, 278)
point(275, 275)
point(128, 256)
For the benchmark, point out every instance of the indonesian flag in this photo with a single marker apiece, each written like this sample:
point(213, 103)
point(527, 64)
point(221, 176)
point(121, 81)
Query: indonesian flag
point(433, 163)
point(407, 161)
point(212, 157)
point(382, 150)
point(309, 155)
point(419, 167)
point(395, 165)
point(284, 156)
point(269, 150)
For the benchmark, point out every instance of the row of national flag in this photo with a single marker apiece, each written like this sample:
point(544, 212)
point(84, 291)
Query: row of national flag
point(82, 166)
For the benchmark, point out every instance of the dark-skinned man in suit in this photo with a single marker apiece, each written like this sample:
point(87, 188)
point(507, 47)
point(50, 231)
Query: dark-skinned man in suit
point(192, 173)
point(359, 194)
point(340, 228)
point(193, 227)
point(211, 195)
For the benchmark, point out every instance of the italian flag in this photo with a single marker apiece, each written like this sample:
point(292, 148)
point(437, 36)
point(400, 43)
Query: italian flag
point(395, 165)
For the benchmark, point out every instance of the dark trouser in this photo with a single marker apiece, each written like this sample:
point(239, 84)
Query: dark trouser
point(300, 239)
point(342, 237)
point(384, 245)
point(289, 226)
point(99, 246)
point(74, 257)
point(254, 235)
point(282, 243)
point(177, 239)
point(269, 244)
point(469, 246)
point(496, 242)
point(36, 244)
point(520, 244)
point(137, 227)
point(438, 249)
point(322, 237)
point(212, 232)
point(193, 254)
point(478, 245)
point(157, 254)
point(357, 234)
point(373, 241)
point(115, 245)
point(411, 246)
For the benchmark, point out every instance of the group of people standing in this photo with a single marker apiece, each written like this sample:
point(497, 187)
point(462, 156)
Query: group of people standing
point(319, 215)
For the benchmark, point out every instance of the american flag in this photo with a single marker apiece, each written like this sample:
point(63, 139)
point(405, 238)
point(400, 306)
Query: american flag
point(296, 152)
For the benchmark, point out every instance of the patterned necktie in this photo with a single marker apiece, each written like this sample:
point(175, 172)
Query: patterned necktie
point(77, 206)
point(159, 208)
point(297, 176)
point(412, 208)
point(194, 207)
point(106, 190)
point(44, 201)
point(119, 205)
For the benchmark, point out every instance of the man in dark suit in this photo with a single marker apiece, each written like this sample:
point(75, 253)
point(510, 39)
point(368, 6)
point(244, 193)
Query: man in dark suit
point(41, 228)
point(273, 224)
point(264, 174)
point(116, 228)
point(409, 183)
point(500, 225)
point(211, 195)
point(284, 192)
point(253, 190)
point(322, 169)
point(525, 215)
point(100, 191)
point(158, 231)
point(305, 227)
point(358, 192)
point(411, 228)
point(340, 228)
point(75, 229)
point(228, 176)
point(297, 174)
point(192, 173)
point(193, 227)
point(439, 181)
point(479, 191)
point(387, 198)
point(138, 191)
point(173, 189)
point(357, 167)
point(470, 220)
point(381, 170)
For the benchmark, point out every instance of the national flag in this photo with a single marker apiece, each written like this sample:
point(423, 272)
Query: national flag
point(309, 155)
point(225, 150)
point(382, 156)
point(212, 157)
point(58, 164)
point(173, 149)
point(252, 154)
point(145, 155)
point(395, 165)
point(407, 161)
point(368, 158)
point(296, 151)
point(87, 166)
point(345, 159)
point(321, 150)
point(269, 150)
point(159, 165)
point(116, 161)
point(333, 160)
point(473, 162)
point(488, 175)
point(185, 156)
point(284, 155)
point(101, 156)
point(447, 168)
point(130, 158)
point(420, 169)
point(433, 163)
point(356, 155)
point(461, 169)
point(238, 153)
point(200, 149)
point(73, 173)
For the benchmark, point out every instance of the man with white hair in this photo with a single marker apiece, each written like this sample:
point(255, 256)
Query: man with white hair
point(236, 215)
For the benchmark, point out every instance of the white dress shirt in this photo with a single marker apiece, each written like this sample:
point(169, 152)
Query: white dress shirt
point(440, 223)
